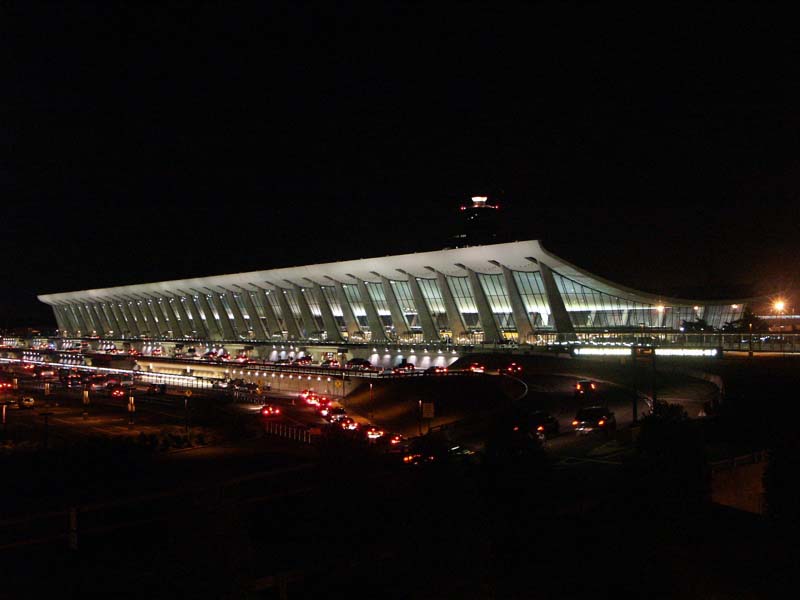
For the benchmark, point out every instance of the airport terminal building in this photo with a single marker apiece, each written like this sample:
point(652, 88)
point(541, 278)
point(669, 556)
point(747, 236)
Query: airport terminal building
point(490, 293)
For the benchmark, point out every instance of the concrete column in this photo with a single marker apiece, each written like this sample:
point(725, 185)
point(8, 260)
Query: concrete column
point(156, 320)
point(238, 316)
point(624, 322)
point(398, 318)
point(181, 328)
point(171, 320)
point(491, 333)
point(145, 328)
point(331, 327)
point(523, 322)
point(563, 324)
point(305, 311)
point(212, 324)
point(66, 317)
point(273, 323)
point(590, 320)
point(451, 308)
point(126, 316)
point(203, 328)
point(288, 316)
point(228, 327)
point(111, 316)
point(378, 333)
point(179, 308)
point(104, 327)
point(255, 320)
point(429, 329)
point(122, 325)
point(350, 320)
point(108, 318)
point(166, 314)
point(86, 319)
point(78, 324)
point(59, 320)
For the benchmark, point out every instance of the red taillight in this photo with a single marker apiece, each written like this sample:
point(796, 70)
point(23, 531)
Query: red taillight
point(574, 423)
point(594, 387)
point(540, 428)
point(578, 386)
point(516, 428)
point(601, 422)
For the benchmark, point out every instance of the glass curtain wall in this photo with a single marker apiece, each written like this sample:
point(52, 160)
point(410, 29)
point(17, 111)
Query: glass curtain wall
point(495, 289)
point(402, 292)
point(272, 298)
point(357, 305)
point(435, 302)
point(465, 301)
point(381, 305)
point(531, 289)
point(329, 292)
point(313, 304)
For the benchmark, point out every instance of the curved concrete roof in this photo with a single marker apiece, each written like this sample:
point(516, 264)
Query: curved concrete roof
point(518, 256)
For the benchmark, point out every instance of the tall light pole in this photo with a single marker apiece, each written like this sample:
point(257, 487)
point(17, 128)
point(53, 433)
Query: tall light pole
point(779, 306)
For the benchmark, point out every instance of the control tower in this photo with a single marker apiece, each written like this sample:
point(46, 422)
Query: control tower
point(479, 223)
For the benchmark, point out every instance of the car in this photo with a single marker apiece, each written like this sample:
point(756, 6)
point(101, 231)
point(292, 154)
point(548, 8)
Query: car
point(12, 404)
point(220, 384)
point(331, 363)
point(117, 392)
point(477, 368)
point(348, 424)
point(403, 369)
point(512, 369)
point(27, 402)
point(585, 387)
point(5, 385)
point(372, 432)
point(157, 388)
point(336, 414)
point(435, 370)
point(358, 363)
point(303, 361)
point(543, 423)
point(594, 418)
point(268, 410)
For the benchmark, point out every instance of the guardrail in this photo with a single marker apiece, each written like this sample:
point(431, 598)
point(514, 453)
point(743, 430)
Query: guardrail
point(738, 461)
point(297, 434)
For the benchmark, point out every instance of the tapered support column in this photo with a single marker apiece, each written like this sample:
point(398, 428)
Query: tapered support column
point(104, 327)
point(491, 332)
point(141, 320)
point(255, 319)
point(111, 316)
point(179, 316)
point(204, 329)
point(451, 308)
point(398, 318)
point(377, 333)
point(87, 319)
point(523, 322)
point(331, 327)
point(562, 322)
point(292, 325)
point(59, 320)
point(429, 329)
point(228, 330)
point(350, 320)
point(238, 316)
point(274, 324)
point(158, 326)
point(126, 316)
point(212, 323)
point(305, 310)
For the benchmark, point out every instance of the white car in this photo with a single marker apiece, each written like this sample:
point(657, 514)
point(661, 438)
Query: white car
point(27, 402)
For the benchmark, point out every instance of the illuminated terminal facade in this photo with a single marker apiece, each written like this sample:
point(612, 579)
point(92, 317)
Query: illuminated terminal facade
point(516, 292)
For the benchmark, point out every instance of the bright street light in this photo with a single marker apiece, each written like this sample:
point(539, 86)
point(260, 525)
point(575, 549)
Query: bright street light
point(779, 305)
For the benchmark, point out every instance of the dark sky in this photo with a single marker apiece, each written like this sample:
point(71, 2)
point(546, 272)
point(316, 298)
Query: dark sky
point(142, 143)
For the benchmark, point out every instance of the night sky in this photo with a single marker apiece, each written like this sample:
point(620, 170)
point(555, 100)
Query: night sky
point(144, 143)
